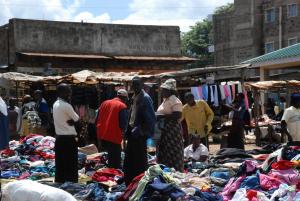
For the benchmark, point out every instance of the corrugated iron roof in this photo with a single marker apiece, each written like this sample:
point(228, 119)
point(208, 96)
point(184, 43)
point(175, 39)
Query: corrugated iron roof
point(85, 56)
point(284, 53)
point(93, 56)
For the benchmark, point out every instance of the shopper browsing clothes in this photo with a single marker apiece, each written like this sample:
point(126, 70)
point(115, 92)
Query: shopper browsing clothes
point(13, 112)
point(3, 125)
point(290, 122)
point(66, 153)
point(111, 125)
point(42, 109)
point(198, 116)
point(236, 134)
point(141, 126)
point(196, 152)
point(170, 146)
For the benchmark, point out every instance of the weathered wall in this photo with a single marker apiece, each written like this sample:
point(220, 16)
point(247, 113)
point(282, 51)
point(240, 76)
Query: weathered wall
point(238, 33)
point(290, 25)
point(88, 38)
point(3, 46)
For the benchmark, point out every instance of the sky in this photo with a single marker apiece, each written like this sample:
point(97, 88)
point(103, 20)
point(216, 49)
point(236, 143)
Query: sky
point(183, 13)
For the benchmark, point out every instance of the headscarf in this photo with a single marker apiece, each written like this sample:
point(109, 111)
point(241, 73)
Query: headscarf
point(3, 107)
point(169, 84)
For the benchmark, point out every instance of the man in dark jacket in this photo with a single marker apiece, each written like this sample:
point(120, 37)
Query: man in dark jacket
point(141, 127)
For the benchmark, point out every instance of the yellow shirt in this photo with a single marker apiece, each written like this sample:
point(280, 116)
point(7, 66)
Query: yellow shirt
point(197, 117)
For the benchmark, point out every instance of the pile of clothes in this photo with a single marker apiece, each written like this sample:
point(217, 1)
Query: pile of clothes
point(267, 174)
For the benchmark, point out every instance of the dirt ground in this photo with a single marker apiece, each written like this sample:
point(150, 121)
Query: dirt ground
point(214, 148)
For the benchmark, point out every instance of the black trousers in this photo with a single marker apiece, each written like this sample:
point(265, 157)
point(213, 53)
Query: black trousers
point(136, 161)
point(114, 153)
point(66, 159)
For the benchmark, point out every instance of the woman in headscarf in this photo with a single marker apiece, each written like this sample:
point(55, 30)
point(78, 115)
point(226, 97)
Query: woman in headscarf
point(3, 125)
point(170, 146)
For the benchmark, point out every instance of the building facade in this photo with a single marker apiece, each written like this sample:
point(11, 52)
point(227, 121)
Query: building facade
point(255, 27)
point(36, 45)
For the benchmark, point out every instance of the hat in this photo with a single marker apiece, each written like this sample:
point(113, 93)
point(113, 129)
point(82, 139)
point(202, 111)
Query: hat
point(169, 84)
point(122, 92)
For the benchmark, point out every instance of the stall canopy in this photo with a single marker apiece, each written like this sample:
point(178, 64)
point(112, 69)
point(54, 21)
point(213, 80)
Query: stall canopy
point(85, 76)
point(20, 77)
point(272, 85)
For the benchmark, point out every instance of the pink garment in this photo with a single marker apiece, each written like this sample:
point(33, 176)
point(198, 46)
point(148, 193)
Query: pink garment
point(268, 183)
point(233, 91)
point(200, 93)
point(246, 100)
point(250, 166)
point(226, 90)
point(290, 176)
point(231, 187)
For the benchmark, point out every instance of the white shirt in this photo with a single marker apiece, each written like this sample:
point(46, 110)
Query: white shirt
point(170, 105)
point(200, 151)
point(62, 112)
point(292, 117)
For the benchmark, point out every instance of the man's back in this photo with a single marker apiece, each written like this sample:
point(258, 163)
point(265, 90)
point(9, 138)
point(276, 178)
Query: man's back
point(108, 123)
point(63, 112)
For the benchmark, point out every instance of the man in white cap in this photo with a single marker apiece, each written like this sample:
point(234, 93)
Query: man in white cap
point(111, 124)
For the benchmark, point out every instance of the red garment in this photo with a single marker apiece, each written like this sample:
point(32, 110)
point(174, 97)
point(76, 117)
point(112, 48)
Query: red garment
point(7, 152)
point(108, 128)
point(28, 137)
point(131, 188)
point(106, 174)
point(252, 195)
point(282, 165)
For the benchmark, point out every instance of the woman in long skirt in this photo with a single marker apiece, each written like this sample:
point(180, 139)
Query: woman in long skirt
point(3, 125)
point(170, 146)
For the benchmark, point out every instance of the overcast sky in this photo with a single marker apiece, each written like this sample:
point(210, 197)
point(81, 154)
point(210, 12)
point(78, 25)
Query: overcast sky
point(183, 13)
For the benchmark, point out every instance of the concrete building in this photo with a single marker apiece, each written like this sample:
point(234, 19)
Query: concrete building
point(255, 27)
point(37, 46)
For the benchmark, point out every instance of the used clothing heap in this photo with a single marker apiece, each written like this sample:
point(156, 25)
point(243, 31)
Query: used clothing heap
point(267, 174)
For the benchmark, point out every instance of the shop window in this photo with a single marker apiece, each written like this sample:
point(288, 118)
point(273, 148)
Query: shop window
point(292, 10)
point(269, 47)
point(270, 15)
point(292, 41)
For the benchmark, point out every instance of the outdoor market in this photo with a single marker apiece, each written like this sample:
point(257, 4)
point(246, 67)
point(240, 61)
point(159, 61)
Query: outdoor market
point(267, 172)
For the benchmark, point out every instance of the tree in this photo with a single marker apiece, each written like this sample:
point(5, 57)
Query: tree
point(195, 43)
point(224, 9)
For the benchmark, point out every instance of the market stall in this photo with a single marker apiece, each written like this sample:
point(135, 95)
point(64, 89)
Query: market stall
point(258, 89)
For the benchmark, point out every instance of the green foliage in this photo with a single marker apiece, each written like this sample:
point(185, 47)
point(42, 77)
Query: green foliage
point(224, 9)
point(195, 42)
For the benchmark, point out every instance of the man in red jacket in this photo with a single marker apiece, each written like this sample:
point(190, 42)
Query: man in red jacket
point(111, 124)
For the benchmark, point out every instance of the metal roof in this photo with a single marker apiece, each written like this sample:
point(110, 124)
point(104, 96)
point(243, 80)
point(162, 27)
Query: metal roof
point(284, 53)
point(93, 56)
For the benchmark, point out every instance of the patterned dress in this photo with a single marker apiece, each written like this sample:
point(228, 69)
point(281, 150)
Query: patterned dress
point(170, 146)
